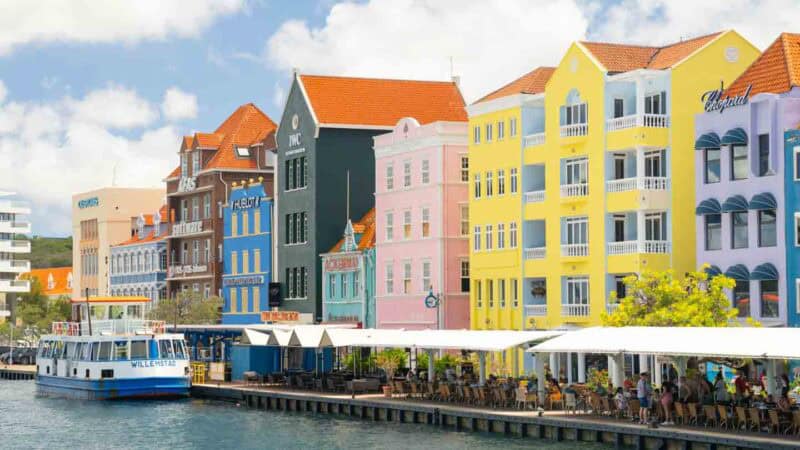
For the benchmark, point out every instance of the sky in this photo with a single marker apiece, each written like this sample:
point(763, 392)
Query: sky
point(94, 93)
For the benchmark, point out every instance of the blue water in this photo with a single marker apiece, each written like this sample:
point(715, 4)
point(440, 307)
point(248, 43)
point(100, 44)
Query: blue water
point(27, 421)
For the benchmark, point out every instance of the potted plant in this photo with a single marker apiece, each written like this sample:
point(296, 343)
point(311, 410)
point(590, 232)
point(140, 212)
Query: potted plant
point(390, 361)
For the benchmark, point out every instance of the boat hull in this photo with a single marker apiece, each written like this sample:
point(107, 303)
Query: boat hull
point(113, 389)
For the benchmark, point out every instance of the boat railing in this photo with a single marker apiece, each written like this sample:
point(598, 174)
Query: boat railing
point(109, 327)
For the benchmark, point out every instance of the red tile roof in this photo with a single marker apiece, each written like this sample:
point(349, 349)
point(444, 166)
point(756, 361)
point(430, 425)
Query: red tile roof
point(623, 58)
point(777, 70)
point(60, 280)
point(366, 228)
point(208, 140)
point(532, 82)
point(149, 237)
point(148, 218)
point(382, 102)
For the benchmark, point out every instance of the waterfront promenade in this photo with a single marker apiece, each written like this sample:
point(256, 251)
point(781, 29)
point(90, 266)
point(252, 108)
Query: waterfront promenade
point(550, 425)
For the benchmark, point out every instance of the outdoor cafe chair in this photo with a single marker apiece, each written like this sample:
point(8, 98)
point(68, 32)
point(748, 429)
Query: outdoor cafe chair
point(755, 419)
point(432, 394)
point(399, 388)
point(693, 414)
point(414, 390)
point(482, 396)
point(796, 422)
point(521, 398)
point(711, 415)
point(468, 399)
point(741, 418)
point(633, 408)
point(595, 403)
point(777, 423)
point(570, 403)
point(724, 416)
point(680, 413)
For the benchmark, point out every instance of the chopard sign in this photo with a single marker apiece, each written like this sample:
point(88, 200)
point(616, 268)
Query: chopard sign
point(713, 101)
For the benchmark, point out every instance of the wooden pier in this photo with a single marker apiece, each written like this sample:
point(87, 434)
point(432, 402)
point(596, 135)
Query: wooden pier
point(555, 426)
point(17, 372)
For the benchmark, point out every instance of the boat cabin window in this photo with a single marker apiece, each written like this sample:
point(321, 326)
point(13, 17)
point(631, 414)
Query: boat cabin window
point(105, 351)
point(135, 312)
point(95, 351)
point(77, 354)
point(86, 353)
point(99, 312)
point(165, 349)
point(44, 347)
point(152, 348)
point(117, 311)
point(70, 350)
point(58, 347)
point(139, 349)
point(62, 350)
point(180, 350)
point(120, 351)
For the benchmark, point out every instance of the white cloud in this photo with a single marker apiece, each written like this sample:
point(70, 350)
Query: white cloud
point(48, 151)
point(179, 105)
point(3, 91)
point(491, 42)
point(107, 21)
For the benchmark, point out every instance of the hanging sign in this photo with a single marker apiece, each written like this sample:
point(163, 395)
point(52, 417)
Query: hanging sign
point(243, 281)
point(280, 316)
point(341, 264)
point(247, 203)
point(713, 101)
point(89, 203)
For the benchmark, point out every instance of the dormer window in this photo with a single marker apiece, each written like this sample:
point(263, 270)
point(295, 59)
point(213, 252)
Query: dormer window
point(243, 152)
point(195, 162)
point(184, 165)
point(51, 284)
point(69, 281)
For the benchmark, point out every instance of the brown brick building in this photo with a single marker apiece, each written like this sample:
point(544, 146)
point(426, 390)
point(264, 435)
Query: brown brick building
point(241, 148)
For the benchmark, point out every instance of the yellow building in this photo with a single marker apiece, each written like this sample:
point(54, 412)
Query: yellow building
point(606, 178)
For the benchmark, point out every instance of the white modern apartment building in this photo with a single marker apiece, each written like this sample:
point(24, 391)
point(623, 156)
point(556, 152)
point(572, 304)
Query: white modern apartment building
point(12, 247)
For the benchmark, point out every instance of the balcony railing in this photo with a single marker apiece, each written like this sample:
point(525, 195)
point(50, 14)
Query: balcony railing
point(574, 250)
point(15, 285)
point(575, 310)
point(532, 140)
point(108, 327)
point(534, 197)
point(15, 246)
point(630, 247)
point(576, 129)
point(535, 310)
point(8, 226)
point(575, 190)
point(611, 307)
point(641, 183)
point(15, 266)
point(15, 207)
point(535, 253)
point(638, 120)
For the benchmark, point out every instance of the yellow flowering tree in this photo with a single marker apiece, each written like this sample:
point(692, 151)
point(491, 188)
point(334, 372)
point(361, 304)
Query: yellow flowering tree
point(662, 299)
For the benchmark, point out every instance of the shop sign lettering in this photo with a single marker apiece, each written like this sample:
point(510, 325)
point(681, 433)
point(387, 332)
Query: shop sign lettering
point(187, 184)
point(243, 281)
point(247, 203)
point(89, 203)
point(143, 364)
point(280, 316)
point(341, 264)
point(713, 101)
point(187, 228)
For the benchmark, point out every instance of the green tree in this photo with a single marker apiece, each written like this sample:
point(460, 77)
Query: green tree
point(188, 307)
point(35, 309)
point(662, 299)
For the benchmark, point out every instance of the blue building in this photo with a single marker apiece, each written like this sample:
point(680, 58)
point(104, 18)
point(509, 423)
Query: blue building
point(247, 253)
point(348, 275)
point(138, 266)
point(792, 179)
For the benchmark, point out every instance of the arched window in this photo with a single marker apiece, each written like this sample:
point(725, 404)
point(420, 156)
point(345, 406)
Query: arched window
point(127, 258)
point(139, 262)
point(147, 260)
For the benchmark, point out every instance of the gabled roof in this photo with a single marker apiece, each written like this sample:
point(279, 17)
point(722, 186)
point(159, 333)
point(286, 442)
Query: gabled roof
point(777, 70)
point(381, 102)
point(532, 82)
point(61, 277)
point(208, 140)
point(149, 218)
point(364, 231)
point(618, 58)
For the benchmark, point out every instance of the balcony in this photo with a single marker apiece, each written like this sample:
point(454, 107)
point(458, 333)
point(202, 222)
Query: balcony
point(15, 286)
point(638, 183)
point(15, 246)
point(535, 253)
point(574, 190)
point(638, 120)
point(611, 307)
point(12, 266)
point(7, 226)
point(575, 310)
point(534, 197)
point(574, 130)
point(574, 250)
point(532, 140)
point(631, 247)
point(14, 207)
point(535, 310)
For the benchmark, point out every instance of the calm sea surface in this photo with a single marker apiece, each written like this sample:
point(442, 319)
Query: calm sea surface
point(30, 422)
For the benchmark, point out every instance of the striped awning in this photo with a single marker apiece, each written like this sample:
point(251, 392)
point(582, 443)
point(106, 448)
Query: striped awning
point(708, 206)
point(736, 136)
point(708, 140)
point(738, 272)
point(765, 271)
point(713, 271)
point(734, 203)
point(764, 200)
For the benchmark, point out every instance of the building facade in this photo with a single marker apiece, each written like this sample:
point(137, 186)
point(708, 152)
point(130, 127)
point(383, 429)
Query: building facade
point(138, 266)
point(747, 211)
point(241, 148)
point(247, 250)
point(348, 275)
point(421, 203)
point(12, 248)
point(328, 165)
point(100, 219)
point(56, 282)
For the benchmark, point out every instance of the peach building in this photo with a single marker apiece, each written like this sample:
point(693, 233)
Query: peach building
point(421, 177)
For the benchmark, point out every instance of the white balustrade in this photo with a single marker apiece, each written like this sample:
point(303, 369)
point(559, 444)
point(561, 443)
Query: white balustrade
point(611, 307)
point(654, 247)
point(577, 129)
point(535, 253)
point(574, 250)
point(535, 310)
point(621, 185)
point(630, 247)
point(638, 120)
point(575, 310)
point(532, 140)
point(641, 183)
point(534, 197)
point(575, 190)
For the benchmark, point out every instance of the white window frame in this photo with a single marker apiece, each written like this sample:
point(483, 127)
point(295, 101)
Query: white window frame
point(577, 223)
point(582, 283)
point(406, 174)
point(389, 278)
point(477, 187)
point(476, 237)
point(426, 222)
point(426, 171)
point(487, 232)
point(464, 169)
point(478, 293)
point(426, 275)
point(407, 273)
point(501, 130)
point(512, 235)
point(501, 236)
point(501, 291)
point(514, 292)
point(464, 223)
point(513, 174)
point(389, 177)
point(389, 225)
point(512, 127)
point(476, 134)
point(407, 229)
point(796, 229)
point(207, 206)
point(489, 127)
point(489, 184)
point(501, 182)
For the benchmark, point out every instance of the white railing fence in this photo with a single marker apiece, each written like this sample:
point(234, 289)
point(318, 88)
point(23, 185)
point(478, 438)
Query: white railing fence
point(577, 129)
point(573, 250)
point(532, 140)
point(534, 196)
point(535, 253)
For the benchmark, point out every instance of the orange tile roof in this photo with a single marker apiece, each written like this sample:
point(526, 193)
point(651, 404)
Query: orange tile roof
point(208, 140)
point(777, 70)
point(240, 129)
point(618, 58)
point(135, 239)
point(187, 142)
point(382, 102)
point(532, 82)
point(60, 280)
point(148, 218)
point(175, 173)
point(366, 228)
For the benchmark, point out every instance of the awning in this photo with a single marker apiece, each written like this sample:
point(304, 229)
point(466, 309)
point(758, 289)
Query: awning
point(253, 337)
point(764, 200)
point(713, 271)
point(735, 203)
point(708, 140)
point(708, 206)
point(720, 342)
point(765, 271)
point(736, 136)
point(470, 340)
point(738, 272)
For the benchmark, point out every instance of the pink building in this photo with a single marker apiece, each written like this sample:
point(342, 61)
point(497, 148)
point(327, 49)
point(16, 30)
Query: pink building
point(422, 225)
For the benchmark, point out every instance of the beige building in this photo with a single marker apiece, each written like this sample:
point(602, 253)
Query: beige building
point(102, 218)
